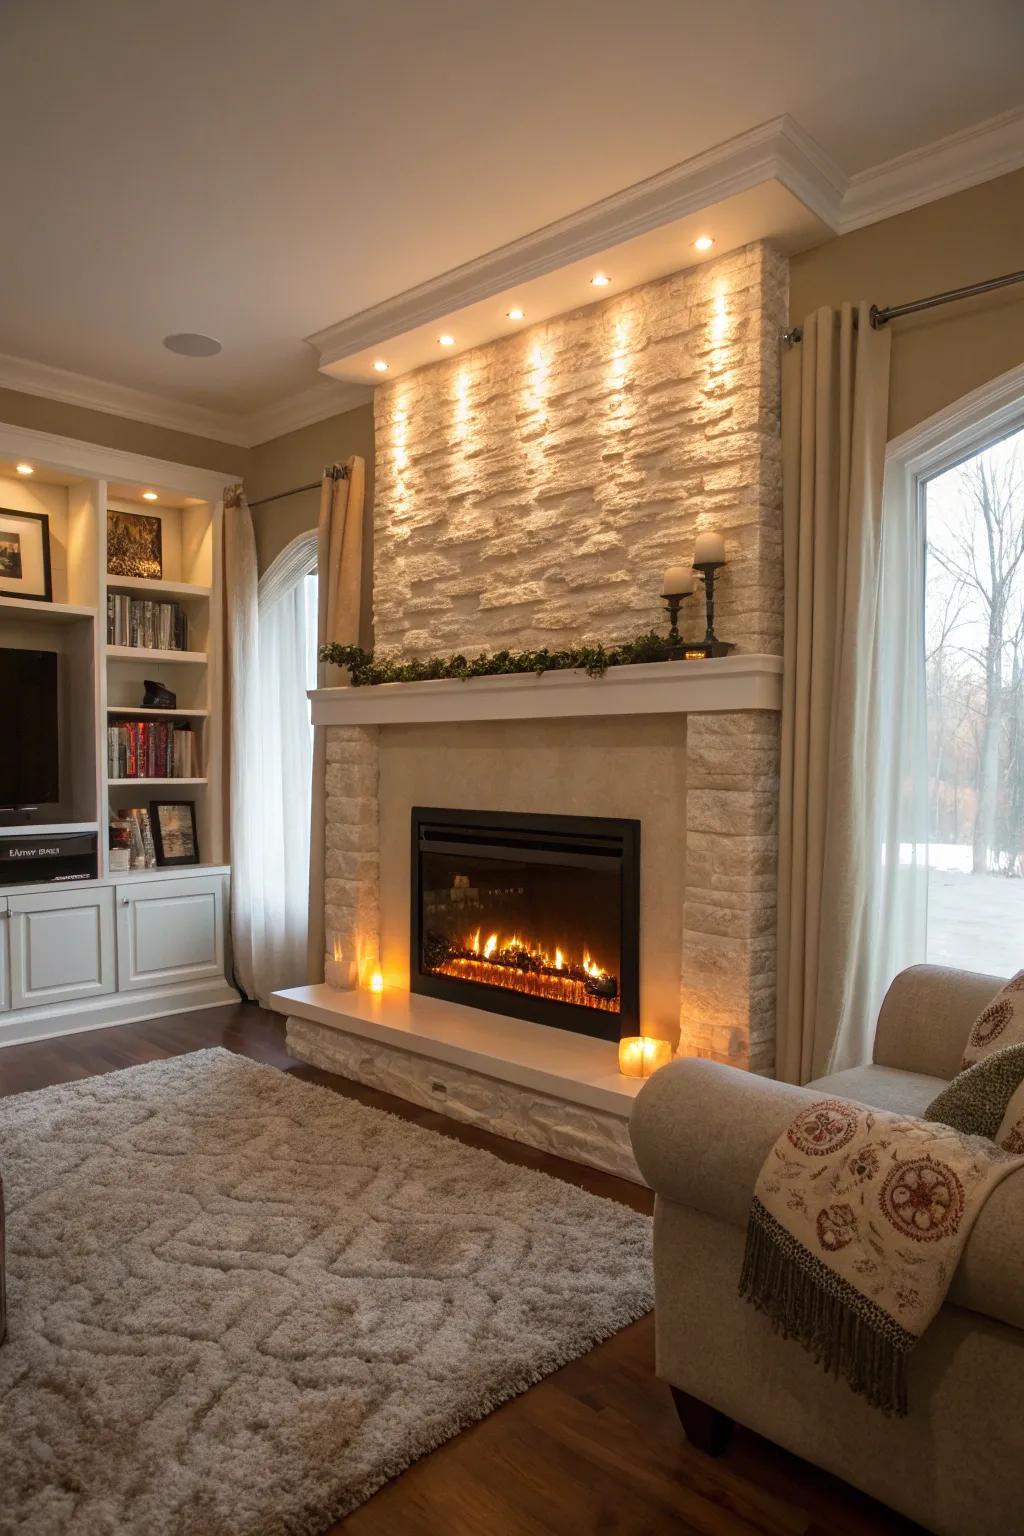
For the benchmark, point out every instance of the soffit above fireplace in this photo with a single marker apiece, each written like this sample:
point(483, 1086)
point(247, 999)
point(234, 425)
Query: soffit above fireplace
point(723, 685)
point(771, 183)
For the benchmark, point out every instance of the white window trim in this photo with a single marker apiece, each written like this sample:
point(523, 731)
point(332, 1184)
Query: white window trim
point(296, 560)
point(955, 433)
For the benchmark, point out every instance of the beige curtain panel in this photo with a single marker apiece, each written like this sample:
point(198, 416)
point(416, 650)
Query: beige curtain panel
point(339, 586)
point(835, 408)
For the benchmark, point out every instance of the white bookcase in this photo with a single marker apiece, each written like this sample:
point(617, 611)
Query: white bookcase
point(136, 944)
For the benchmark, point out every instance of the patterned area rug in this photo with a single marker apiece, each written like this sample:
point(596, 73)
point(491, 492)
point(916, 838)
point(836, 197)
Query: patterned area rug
point(238, 1303)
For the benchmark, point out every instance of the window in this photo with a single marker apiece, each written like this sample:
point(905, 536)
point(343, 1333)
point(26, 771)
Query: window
point(974, 650)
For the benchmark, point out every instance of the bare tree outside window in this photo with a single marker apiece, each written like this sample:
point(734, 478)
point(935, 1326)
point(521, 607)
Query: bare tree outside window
point(974, 640)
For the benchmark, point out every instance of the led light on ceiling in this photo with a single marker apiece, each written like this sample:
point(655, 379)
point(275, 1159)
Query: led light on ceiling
point(703, 243)
point(380, 366)
point(446, 340)
point(25, 469)
point(600, 280)
point(516, 314)
point(192, 344)
point(149, 496)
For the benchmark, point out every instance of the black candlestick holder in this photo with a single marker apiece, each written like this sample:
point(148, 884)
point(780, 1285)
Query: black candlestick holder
point(710, 645)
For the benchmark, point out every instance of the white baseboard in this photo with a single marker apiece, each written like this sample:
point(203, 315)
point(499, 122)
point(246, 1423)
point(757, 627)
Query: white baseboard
point(44, 1023)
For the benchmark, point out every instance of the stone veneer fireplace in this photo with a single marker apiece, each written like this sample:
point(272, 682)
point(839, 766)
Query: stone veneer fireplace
point(531, 493)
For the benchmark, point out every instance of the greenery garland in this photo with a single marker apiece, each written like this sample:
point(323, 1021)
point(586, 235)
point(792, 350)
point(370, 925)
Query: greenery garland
point(365, 668)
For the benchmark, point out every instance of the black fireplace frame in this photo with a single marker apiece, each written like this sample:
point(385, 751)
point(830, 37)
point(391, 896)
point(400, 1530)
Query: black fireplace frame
point(582, 836)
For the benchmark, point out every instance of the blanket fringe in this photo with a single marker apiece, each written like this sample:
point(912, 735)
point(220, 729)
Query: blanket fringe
point(811, 1309)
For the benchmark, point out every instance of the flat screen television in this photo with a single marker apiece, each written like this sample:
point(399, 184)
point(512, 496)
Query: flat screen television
point(29, 729)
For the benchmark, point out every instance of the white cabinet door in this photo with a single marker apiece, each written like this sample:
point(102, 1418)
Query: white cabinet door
point(61, 945)
point(169, 930)
point(5, 968)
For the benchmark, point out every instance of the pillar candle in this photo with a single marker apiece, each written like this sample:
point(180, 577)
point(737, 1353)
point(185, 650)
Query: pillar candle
point(709, 549)
point(678, 582)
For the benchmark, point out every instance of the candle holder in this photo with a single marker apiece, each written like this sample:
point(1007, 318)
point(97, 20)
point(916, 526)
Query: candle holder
point(673, 602)
point(710, 645)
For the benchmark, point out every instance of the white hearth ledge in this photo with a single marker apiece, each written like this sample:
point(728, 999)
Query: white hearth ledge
point(723, 684)
point(567, 1066)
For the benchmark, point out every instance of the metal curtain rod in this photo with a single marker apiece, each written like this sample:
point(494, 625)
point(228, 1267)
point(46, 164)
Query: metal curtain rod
point(336, 472)
point(882, 316)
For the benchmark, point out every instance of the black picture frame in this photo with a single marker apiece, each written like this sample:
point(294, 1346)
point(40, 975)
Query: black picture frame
point(125, 561)
point(41, 522)
point(168, 857)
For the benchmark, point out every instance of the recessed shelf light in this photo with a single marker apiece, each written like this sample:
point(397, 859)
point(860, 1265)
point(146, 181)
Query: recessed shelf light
point(25, 469)
point(516, 314)
point(446, 340)
point(380, 366)
point(600, 280)
point(149, 496)
point(703, 243)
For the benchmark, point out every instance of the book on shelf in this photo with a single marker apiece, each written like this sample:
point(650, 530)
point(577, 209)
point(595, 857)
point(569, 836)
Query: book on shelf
point(151, 749)
point(134, 833)
point(139, 622)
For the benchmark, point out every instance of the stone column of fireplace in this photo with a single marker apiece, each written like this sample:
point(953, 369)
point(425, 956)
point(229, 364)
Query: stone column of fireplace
point(352, 869)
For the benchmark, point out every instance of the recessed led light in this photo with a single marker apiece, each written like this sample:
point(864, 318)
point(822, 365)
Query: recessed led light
point(600, 280)
point(703, 243)
point(380, 366)
point(192, 344)
point(516, 314)
point(25, 469)
point(149, 496)
point(446, 340)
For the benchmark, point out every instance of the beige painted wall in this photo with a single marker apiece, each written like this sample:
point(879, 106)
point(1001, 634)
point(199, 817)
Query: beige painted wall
point(942, 354)
point(21, 410)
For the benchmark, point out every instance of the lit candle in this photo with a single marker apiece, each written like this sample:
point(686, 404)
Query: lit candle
point(640, 1055)
point(377, 982)
point(678, 582)
point(709, 549)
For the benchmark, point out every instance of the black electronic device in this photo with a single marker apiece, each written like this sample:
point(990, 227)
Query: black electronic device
point(29, 740)
point(62, 857)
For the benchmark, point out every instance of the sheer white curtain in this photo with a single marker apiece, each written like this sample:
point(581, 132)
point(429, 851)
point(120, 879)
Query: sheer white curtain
point(854, 759)
point(271, 627)
point(287, 608)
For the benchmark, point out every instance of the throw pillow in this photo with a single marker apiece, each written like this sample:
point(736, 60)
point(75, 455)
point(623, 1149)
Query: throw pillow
point(977, 1098)
point(1010, 1135)
point(1000, 1024)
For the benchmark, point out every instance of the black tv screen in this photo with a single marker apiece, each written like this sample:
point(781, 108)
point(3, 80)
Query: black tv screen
point(29, 772)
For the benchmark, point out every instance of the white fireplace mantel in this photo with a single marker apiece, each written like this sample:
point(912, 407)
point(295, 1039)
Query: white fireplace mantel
point(724, 684)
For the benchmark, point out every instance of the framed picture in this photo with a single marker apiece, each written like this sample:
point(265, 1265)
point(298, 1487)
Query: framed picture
point(25, 555)
point(134, 545)
point(174, 831)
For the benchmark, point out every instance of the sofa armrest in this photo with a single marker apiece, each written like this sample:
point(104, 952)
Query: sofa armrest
point(701, 1132)
point(926, 1016)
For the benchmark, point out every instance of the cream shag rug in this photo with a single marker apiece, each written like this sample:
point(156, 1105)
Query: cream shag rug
point(238, 1303)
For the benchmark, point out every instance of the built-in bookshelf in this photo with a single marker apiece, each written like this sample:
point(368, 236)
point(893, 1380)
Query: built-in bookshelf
point(103, 682)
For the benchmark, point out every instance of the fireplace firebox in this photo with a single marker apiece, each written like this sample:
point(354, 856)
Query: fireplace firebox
point(535, 916)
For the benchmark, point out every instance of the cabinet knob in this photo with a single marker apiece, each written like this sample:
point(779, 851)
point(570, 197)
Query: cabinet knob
point(125, 902)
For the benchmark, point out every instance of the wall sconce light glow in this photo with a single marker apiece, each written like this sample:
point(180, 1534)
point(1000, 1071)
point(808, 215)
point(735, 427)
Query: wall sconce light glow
point(703, 243)
point(600, 280)
point(516, 314)
point(376, 982)
point(149, 496)
point(380, 366)
point(25, 469)
point(446, 340)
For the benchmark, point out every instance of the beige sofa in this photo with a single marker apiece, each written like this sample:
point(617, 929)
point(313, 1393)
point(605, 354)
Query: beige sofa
point(701, 1132)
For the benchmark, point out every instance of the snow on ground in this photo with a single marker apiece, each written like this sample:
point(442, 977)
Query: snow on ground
point(975, 921)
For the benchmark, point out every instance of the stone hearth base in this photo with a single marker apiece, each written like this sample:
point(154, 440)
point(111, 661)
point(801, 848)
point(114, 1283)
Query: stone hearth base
point(575, 1131)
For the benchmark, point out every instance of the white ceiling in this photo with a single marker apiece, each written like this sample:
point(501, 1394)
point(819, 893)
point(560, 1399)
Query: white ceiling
point(261, 169)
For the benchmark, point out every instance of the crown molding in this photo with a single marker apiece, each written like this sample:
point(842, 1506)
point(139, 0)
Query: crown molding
point(303, 410)
point(961, 160)
point(300, 410)
point(778, 150)
point(119, 400)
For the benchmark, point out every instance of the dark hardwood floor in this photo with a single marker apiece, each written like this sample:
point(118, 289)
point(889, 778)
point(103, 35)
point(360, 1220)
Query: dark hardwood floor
point(595, 1449)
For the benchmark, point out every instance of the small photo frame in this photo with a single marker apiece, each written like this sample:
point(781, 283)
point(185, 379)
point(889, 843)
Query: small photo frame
point(25, 555)
point(135, 545)
point(174, 832)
